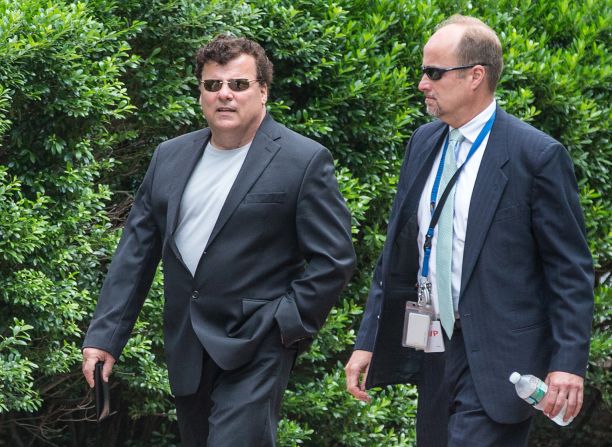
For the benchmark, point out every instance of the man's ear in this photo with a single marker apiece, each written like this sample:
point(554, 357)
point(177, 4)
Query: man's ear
point(263, 89)
point(479, 76)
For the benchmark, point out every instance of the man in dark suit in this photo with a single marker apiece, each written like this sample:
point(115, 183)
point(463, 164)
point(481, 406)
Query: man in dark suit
point(518, 280)
point(256, 245)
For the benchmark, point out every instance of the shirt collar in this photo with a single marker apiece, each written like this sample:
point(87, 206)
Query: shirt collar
point(472, 128)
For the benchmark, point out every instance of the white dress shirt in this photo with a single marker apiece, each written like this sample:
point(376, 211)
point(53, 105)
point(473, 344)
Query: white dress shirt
point(463, 194)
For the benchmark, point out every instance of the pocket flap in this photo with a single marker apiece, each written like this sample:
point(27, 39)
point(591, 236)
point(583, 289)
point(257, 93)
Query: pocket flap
point(265, 197)
point(250, 305)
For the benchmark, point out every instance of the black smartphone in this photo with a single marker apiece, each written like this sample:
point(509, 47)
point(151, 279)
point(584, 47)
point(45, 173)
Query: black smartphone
point(102, 394)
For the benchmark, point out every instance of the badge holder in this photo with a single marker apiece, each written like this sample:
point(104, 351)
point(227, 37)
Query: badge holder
point(417, 319)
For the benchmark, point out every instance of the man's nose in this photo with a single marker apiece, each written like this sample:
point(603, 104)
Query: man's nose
point(424, 83)
point(226, 93)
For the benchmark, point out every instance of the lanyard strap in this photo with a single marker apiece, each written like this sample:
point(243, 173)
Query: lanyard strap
point(437, 209)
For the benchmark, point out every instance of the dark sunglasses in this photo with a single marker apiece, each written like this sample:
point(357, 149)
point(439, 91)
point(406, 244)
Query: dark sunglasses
point(435, 73)
point(236, 85)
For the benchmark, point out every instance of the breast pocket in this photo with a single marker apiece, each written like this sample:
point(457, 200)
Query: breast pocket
point(265, 197)
point(510, 213)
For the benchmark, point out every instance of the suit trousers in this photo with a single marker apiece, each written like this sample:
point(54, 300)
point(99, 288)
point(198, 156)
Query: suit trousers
point(449, 412)
point(239, 407)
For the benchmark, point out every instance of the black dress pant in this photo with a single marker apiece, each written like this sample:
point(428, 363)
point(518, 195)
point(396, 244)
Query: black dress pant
point(239, 407)
point(449, 412)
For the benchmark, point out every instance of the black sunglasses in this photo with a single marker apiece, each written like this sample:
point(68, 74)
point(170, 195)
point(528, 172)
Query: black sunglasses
point(236, 85)
point(435, 73)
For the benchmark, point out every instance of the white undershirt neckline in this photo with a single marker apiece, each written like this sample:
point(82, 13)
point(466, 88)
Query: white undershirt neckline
point(204, 197)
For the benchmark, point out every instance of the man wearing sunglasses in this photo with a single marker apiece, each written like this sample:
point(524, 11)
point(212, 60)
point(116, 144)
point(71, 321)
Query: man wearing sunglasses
point(485, 269)
point(255, 239)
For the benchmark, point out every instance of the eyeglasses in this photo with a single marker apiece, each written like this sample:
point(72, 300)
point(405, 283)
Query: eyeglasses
point(236, 85)
point(435, 73)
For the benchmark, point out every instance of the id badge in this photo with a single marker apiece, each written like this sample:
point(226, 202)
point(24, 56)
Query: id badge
point(435, 342)
point(417, 322)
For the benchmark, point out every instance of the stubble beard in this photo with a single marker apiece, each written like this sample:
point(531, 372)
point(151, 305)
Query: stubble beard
point(433, 109)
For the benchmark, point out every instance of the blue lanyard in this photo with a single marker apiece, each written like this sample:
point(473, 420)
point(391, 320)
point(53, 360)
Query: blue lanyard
point(435, 211)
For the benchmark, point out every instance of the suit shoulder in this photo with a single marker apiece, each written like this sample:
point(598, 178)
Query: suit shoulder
point(534, 146)
point(298, 144)
point(527, 134)
point(421, 138)
point(425, 132)
point(184, 141)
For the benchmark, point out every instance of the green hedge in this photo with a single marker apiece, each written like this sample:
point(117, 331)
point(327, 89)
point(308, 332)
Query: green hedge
point(88, 89)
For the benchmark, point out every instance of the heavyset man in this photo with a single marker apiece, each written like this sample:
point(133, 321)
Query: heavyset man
point(256, 246)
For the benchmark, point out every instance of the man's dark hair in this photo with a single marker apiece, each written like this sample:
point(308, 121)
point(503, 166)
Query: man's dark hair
point(224, 48)
point(479, 44)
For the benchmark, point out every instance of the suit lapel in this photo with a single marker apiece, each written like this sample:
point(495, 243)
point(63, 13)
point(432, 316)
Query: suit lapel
point(193, 154)
point(261, 152)
point(490, 184)
point(419, 173)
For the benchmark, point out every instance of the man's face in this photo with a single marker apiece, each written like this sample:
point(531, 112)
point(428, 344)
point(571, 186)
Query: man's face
point(446, 97)
point(233, 115)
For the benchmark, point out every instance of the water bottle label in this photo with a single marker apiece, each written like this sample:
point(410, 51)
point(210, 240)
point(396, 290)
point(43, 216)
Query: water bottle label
point(536, 396)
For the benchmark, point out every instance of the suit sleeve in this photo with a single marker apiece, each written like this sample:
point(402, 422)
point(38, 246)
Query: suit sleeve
point(129, 276)
point(323, 226)
point(366, 336)
point(559, 232)
point(369, 324)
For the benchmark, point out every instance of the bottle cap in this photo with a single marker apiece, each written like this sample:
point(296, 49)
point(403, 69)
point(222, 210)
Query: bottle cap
point(515, 377)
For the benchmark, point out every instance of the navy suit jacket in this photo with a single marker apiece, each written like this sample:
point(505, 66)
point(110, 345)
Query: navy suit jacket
point(279, 254)
point(526, 297)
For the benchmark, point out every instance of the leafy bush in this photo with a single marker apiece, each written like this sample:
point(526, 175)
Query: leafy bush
point(61, 91)
point(88, 89)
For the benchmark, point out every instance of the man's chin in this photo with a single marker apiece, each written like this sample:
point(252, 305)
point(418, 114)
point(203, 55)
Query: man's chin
point(433, 111)
point(225, 124)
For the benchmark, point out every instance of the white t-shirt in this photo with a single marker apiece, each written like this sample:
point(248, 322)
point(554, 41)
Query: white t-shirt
point(203, 198)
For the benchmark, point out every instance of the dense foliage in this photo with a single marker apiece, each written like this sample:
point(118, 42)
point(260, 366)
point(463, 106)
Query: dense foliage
point(87, 90)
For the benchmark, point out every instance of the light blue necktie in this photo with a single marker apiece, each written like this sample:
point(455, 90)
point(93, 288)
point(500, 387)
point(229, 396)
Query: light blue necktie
point(444, 243)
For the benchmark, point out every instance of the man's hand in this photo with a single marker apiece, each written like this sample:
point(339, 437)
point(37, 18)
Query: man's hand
point(91, 356)
point(563, 387)
point(356, 372)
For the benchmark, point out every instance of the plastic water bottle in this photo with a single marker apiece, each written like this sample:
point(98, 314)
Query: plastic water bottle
point(532, 390)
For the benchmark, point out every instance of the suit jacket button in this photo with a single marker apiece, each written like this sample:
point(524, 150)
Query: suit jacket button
point(195, 294)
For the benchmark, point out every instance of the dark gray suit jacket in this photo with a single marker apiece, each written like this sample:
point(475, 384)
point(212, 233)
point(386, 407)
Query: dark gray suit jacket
point(280, 253)
point(526, 298)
